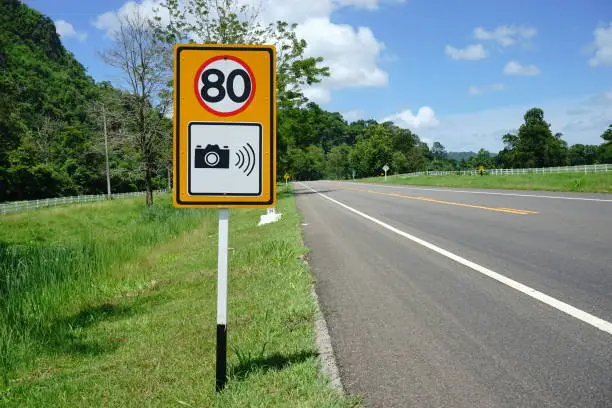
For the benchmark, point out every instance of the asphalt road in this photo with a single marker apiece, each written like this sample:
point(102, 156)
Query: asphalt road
point(516, 313)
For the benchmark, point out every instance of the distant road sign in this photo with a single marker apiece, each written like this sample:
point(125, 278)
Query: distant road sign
point(385, 168)
point(224, 118)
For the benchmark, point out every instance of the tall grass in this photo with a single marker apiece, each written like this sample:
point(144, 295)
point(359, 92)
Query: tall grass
point(53, 261)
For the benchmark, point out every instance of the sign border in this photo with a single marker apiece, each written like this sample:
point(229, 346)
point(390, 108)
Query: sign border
point(251, 124)
point(177, 186)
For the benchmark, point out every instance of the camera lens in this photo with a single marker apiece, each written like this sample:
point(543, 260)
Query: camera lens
point(211, 158)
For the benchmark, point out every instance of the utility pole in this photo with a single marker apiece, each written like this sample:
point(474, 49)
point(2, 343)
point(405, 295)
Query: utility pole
point(108, 184)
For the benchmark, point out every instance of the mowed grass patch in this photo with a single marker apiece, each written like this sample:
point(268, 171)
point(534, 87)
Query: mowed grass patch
point(154, 344)
point(576, 182)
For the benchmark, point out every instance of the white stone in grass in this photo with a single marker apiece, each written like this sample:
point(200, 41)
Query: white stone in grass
point(270, 216)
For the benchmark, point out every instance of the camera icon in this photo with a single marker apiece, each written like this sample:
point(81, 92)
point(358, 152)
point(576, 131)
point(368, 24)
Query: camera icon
point(211, 157)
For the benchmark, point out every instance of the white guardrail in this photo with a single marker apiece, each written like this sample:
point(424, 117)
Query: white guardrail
point(592, 168)
point(18, 206)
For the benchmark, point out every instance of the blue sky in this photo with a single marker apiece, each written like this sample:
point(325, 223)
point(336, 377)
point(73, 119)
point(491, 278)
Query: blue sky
point(459, 72)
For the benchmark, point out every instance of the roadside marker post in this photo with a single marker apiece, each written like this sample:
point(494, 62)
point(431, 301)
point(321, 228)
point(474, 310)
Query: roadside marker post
point(222, 261)
point(224, 144)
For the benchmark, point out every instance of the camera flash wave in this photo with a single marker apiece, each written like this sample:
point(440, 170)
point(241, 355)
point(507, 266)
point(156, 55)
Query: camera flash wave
point(245, 159)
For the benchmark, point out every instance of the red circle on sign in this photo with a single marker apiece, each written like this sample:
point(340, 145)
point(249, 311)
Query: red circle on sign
point(197, 89)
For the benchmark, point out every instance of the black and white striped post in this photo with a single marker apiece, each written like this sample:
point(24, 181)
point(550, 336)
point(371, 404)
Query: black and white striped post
point(221, 363)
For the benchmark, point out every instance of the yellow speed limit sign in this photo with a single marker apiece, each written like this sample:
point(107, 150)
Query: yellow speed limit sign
point(224, 126)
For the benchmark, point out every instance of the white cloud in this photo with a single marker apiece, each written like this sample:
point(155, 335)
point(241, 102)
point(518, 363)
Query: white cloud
point(516, 68)
point(479, 90)
point(602, 47)
point(296, 11)
point(425, 118)
point(65, 30)
point(506, 35)
point(351, 53)
point(366, 4)
point(353, 115)
point(471, 52)
point(109, 21)
point(581, 120)
point(318, 94)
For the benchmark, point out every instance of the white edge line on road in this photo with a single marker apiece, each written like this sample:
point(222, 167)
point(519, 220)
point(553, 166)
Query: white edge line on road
point(542, 297)
point(449, 190)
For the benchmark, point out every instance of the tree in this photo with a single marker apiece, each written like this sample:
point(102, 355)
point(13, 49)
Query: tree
point(605, 149)
point(399, 163)
point(534, 145)
point(107, 114)
point(338, 163)
point(438, 151)
point(482, 158)
point(607, 134)
point(306, 164)
point(582, 154)
point(234, 22)
point(140, 57)
point(43, 93)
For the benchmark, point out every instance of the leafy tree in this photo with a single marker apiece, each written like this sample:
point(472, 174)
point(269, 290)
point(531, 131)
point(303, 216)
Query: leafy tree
point(399, 163)
point(605, 150)
point(482, 158)
point(306, 164)
point(372, 151)
point(438, 151)
point(582, 154)
point(534, 145)
point(607, 134)
point(338, 162)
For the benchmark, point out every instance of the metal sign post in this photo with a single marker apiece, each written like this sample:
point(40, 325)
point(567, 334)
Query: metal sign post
point(224, 144)
point(385, 169)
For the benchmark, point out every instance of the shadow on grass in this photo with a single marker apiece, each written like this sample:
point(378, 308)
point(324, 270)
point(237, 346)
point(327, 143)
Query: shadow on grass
point(273, 362)
point(70, 335)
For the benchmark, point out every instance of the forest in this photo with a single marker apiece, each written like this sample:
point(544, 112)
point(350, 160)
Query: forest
point(57, 123)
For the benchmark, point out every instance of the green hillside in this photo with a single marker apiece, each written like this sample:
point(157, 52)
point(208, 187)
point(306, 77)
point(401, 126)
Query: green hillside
point(43, 92)
point(49, 144)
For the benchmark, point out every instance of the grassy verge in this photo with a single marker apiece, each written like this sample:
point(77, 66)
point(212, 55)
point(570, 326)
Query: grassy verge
point(578, 182)
point(138, 329)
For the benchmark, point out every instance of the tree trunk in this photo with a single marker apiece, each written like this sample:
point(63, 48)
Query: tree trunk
point(149, 186)
point(169, 179)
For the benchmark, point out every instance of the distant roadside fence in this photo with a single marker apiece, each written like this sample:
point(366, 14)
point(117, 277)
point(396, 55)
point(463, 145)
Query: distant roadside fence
point(592, 168)
point(18, 206)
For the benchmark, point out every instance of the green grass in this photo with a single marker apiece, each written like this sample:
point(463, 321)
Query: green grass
point(113, 305)
point(578, 182)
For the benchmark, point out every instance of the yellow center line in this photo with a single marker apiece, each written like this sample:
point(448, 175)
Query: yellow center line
point(432, 200)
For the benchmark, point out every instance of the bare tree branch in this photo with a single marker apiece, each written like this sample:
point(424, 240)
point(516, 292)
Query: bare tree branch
point(139, 55)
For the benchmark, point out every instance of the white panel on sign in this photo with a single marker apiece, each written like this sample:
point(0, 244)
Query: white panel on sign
point(225, 158)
